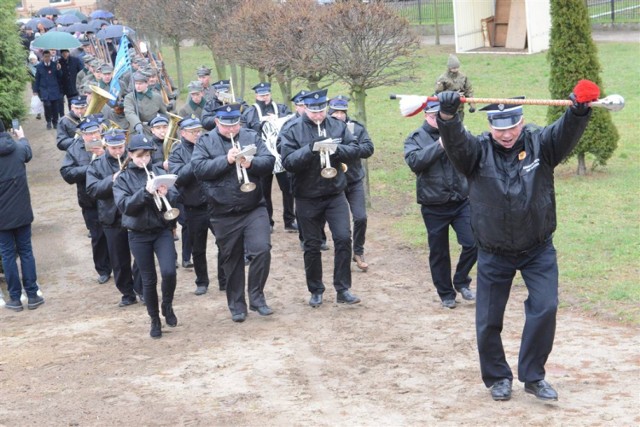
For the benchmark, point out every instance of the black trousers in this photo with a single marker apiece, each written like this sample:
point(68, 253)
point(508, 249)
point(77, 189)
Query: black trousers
point(236, 235)
point(438, 219)
point(198, 223)
point(185, 235)
point(143, 247)
point(52, 110)
point(127, 278)
point(312, 215)
point(284, 182)
point(357, 205)
point(99, 246)
point(539, 269)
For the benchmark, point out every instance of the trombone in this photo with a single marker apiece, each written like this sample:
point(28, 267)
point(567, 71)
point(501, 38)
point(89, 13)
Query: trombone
point(171, 213)
point(245, 185)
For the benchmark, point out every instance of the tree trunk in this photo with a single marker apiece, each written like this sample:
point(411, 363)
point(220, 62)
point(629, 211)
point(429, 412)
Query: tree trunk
point(435, 19)
point(359, 113)
point(284, 82)
point(176, 53)
point(234, 76)
point(243, 78)
point(582, 165)
point(220, 66)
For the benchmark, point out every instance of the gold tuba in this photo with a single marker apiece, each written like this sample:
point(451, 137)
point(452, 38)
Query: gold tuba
point(99, 98)
point(170, 138)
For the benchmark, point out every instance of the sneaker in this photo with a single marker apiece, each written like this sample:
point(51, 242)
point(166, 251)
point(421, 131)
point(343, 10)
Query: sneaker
point(14, 305)
point(467, 294)
point(449, 303)
point(35, 302)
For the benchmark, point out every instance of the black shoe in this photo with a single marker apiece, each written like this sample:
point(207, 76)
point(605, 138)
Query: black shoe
point(55, 125)
point(156, 328)
point(187, 264)
point(271, 229)
point(247, 260)
point(239, 317)
point(346, 297)
point(104, 278)
point(324, 246)
point(316, 300)
point(48, 126)
point(501, 390)
point(291, 228)
point(35, 302)
point(127, 300)
point(14, 304)
point(467, 294)
point(222, 288)
point(449, 303)
point(541, 389)
point(38, 116)
point(141, 298)
point(263, 310)
point(201, 290)
point(169, 315)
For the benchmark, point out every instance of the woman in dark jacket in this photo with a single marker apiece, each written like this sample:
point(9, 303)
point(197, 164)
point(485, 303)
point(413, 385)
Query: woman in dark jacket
point(150, 233)
point(16, 217)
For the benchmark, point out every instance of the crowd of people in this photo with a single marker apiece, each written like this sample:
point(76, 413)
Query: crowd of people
point(141, 170)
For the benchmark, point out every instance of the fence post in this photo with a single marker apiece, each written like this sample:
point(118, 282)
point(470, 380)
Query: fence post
point(419, 12)
point(435, 21)
point(613, 12)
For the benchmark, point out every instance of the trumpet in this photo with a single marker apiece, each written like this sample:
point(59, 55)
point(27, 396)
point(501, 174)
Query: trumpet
point(245, 185)
point(325, 162)
point(171, 213)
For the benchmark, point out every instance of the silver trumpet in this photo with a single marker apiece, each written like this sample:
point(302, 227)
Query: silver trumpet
point(243, 178)
point(171, 213)
point(325, 162)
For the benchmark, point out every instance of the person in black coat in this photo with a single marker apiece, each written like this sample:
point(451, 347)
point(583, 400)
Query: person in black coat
point(16, 217)
point(68, 125)
point(510, 171)
point(355, 190)
point(145, 214)
point(47, 88)
point(238, 210)
point(194, 202)
point(74, 171)
point(319, 199)
point(443, 195)
point(100, 177)
point(70, 66)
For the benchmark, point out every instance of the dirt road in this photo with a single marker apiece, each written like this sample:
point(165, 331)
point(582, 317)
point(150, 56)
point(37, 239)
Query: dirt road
point(396, 359)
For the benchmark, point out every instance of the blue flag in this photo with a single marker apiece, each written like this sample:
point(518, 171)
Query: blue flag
point(122, 65)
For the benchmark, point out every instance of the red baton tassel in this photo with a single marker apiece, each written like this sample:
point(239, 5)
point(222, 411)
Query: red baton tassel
point(586, 91)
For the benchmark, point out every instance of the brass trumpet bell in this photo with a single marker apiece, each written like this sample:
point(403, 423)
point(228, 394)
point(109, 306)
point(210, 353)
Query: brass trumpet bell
point(171, 214)
point(247, 187)
point(328, 172)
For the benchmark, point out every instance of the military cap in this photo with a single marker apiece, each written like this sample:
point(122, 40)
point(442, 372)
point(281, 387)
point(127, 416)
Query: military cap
point(115, 137)
point(432, 107)
point(141, 142)
point(503, 116)
point(79, 101)
point(158, 120)
point(297, 98)
point(339, 103)
point(90, 123)
point(203, 71)
point(315, 101)
point(87, 57)
point(191, 122)
point(222, 85)
point(195, 86)
point(106, 69)
point(262, 88)
point(453, 62)
point(140, 77)
point(229, 114)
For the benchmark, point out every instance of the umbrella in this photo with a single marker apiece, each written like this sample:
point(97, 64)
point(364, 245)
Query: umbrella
point(101, 14)
point(81, 16)
point(48, 11)
point(79, 28)
point(46, 23)
point(56, 40)
point(67, 19)
point(97, 23)
point(114, 31)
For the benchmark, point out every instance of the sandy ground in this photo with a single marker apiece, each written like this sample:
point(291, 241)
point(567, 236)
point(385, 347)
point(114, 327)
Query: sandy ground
point(397, 358)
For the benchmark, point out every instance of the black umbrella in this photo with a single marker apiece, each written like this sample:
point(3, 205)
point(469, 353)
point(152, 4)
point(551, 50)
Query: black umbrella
point(101, 14)
point(114, 31)
point(48, 11)
point(46, 23)
point(78, 28)
point(67, 19)
point(97, 23)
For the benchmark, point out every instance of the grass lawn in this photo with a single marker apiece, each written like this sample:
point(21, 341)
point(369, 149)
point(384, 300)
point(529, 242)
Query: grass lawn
point(598, 236)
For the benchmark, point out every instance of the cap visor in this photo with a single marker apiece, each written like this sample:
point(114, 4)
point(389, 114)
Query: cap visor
point(503, 123)
point(316, 108)
point(229, 121)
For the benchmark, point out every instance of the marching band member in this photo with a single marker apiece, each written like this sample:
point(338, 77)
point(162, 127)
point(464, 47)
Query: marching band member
point(220, 88)
point(338, 107)
point(74, 171)
point(265, 109)
point(320, 199)
point(238, 215)
point(100, 177)
point(194, 202)
point(159, 126)
point(142, 210)
point(68, 125)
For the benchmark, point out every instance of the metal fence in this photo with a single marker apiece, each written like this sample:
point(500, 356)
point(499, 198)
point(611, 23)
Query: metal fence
point(432, 12)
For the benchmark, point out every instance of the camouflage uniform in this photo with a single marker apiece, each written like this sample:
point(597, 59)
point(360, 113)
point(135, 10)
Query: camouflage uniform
point(457, 82)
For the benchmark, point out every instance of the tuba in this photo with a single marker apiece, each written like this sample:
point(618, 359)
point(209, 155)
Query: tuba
point(170, 138)
point(270, 131)
point(99, 98)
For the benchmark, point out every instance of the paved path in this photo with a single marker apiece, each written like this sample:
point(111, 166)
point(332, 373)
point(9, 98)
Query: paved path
point(599, 36)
